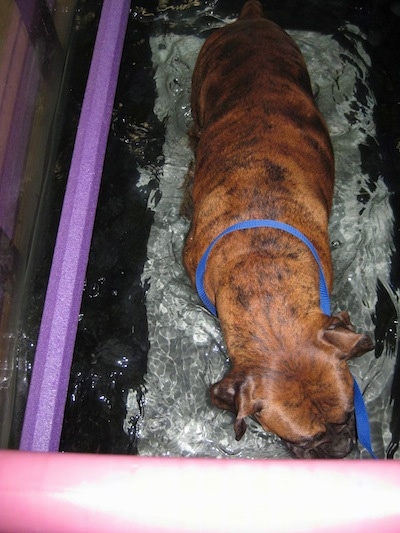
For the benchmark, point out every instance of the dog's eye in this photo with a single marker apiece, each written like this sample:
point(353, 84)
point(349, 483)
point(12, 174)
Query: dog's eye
point(347, 419)
point(349, 415)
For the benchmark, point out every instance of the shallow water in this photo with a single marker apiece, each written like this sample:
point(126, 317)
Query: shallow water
point(187, 352)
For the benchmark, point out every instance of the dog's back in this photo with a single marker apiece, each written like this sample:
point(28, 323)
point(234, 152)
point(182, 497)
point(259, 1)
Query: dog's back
point(260, 135)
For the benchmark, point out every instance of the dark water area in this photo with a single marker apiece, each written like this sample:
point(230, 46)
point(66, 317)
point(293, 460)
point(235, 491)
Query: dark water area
point(112, 342)
point(381, 23)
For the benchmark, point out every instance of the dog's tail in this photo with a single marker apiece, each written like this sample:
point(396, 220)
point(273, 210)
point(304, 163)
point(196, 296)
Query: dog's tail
point(252, 9)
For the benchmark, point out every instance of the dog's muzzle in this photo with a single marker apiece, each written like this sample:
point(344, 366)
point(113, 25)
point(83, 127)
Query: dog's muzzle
point(335, 443)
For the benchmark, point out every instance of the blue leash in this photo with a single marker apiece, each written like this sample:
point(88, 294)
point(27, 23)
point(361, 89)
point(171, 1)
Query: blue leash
point(361, 415)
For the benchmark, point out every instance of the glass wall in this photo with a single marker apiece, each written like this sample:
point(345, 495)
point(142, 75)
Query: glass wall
point(34, 42)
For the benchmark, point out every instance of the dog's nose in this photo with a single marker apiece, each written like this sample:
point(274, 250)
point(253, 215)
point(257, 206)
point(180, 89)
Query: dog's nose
point(327, 449)
point(337, 442)
point(335, 448)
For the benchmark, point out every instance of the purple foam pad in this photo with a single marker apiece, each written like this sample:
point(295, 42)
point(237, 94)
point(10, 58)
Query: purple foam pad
point(50, 376)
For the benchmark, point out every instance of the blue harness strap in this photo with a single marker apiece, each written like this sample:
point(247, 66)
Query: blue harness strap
point(362, 423)
point(248, 224)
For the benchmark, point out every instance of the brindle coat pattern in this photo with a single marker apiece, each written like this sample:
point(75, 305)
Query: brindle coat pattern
point(262, 150)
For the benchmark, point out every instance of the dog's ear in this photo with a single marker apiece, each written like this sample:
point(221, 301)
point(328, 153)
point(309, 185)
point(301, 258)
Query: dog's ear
point(223, 394)
point(341, 333)
point(233, 393)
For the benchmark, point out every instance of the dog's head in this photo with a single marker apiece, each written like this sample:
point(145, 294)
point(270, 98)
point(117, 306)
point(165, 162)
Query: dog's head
point(306, 398)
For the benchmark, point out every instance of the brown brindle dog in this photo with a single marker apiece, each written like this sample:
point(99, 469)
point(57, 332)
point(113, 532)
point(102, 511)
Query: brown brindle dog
point(262, 151)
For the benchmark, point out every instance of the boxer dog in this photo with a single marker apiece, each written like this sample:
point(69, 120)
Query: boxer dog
point(262, 151)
